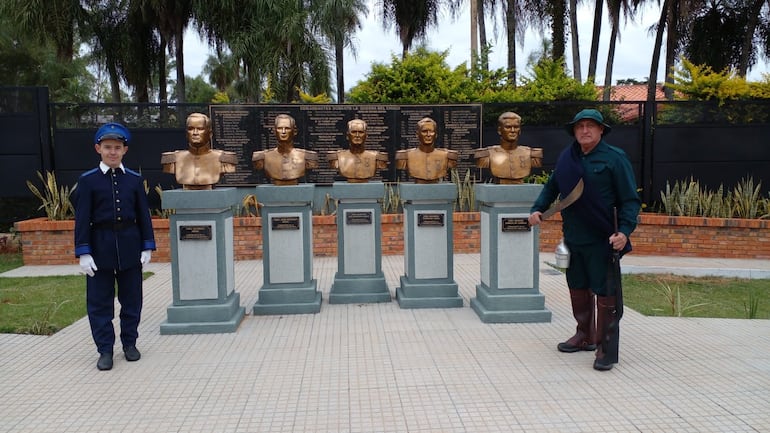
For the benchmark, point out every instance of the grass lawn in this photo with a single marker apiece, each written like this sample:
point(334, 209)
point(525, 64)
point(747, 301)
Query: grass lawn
point(40, 305)
point(716, 297)
point(10, 261)
point(44, 305)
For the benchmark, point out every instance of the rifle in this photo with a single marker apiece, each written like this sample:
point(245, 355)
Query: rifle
point(611, 334)
point(615, 281)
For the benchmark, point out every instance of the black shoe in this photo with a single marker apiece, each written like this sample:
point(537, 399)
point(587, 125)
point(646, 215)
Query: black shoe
point(132, 354)
point(105, 361)
point(602, 365)
point(566, 347)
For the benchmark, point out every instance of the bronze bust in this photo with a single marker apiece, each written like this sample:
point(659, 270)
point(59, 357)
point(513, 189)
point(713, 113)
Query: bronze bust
point(357, 164)
point(509, 162)
point(199, 167)
point(285, 164)
point(426, 163)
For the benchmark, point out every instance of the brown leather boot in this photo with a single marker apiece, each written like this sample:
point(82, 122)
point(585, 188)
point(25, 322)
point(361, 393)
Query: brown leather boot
point(583, 311)
point(608, 333)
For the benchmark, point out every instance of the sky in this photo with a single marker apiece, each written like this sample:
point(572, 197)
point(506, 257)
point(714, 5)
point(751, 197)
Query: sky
point(375, 44)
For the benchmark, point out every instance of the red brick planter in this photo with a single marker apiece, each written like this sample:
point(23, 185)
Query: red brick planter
point(47, 242)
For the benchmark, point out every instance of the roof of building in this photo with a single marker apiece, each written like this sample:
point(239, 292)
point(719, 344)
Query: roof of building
point(631, 92)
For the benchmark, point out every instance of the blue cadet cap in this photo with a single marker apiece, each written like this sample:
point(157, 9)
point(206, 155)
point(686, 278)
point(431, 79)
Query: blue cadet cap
point(588, 113)
point(112, 130)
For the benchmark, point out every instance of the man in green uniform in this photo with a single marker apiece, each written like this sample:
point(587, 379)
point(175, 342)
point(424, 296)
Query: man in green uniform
point(590, 230)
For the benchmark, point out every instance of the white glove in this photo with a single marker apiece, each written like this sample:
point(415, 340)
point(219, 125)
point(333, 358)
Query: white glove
point(87, 265)
point(145, 257)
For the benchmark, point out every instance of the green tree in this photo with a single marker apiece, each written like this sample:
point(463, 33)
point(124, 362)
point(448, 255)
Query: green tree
point(548, 81)
point(27, 61)
point(199, 91)
point(701, 82)
point(716, 37)
point(277, 43)
point(419, 78)
point(53, 21)
point(424, 78)
point(222, 70)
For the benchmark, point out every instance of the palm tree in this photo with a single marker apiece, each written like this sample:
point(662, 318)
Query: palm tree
point(338, 21)
point(716, 37)
point(753, 13)
point(103, 26)
point(557, 12)
point(576, 73)
point(593, 57)
point(615, 9)
point(481, 8)
point(54, 21)
point(140, 55)
point(652, 85)
point(173, 17)
point(227, 25)
point(519, 16)
point(411, 18)
point(222, 70)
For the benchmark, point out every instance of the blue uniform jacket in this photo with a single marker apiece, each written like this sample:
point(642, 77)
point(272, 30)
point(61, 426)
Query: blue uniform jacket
point(112, 218)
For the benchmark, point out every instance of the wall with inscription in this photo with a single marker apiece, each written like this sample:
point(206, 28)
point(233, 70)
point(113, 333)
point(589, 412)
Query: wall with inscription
point(244, 129)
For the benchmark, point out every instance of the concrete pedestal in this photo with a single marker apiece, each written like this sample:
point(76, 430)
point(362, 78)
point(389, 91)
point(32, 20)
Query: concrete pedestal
point(510, 265)
point(287, 256)
point(202, 262)
point(428, 247)
point(359, 277)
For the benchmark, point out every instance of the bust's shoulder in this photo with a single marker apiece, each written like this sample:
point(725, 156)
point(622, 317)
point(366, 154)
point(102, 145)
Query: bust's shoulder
point(259, 155)
point(450, 153)
point(334, 155)
point(170, 157)
point(536, 152)
point(225, 156)
point(483, 152)
point(309, 154)
point(404, 153)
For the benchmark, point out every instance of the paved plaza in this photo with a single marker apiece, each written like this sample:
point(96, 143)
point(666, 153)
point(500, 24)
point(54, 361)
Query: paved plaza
point(380, 368)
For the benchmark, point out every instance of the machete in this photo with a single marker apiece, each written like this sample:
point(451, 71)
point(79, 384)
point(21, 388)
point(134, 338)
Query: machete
point(566, 201)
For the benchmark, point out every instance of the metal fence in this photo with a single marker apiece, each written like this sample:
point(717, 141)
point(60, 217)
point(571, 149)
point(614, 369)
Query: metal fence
point(716, 144)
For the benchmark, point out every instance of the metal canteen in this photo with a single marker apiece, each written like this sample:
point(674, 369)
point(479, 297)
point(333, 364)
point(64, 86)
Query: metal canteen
point(562, 255)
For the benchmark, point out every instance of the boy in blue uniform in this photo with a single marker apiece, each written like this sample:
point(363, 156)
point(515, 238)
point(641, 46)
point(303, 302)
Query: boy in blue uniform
point(591, 232)
point(113, 239)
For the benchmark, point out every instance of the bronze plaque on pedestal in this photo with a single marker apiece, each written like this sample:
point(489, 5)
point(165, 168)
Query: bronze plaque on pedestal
point(194, 233)
point(363, 217)
point(515, 225)
point(430, 219)
point(284, 223)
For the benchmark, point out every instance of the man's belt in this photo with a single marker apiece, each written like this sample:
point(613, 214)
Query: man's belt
point(114, 225)
point(566, 201)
